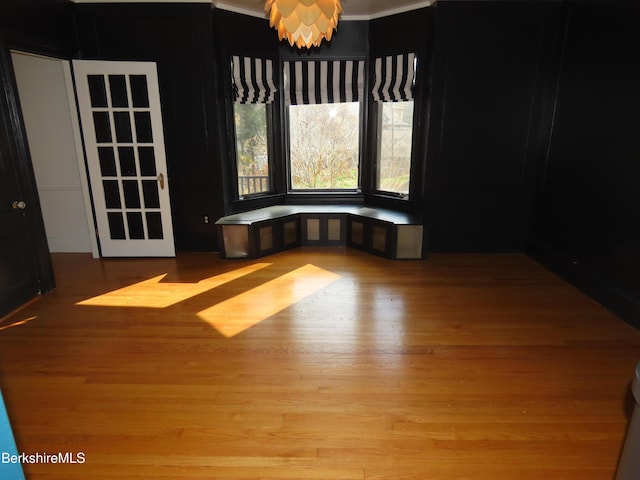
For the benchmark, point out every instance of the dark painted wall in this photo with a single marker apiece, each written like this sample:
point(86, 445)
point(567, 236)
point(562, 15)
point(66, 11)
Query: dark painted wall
point(587, 216)
point(43, 27)
point(489, 73)
point(350, 40)
point(46, 25)
point(417, 37)
point(179, 39)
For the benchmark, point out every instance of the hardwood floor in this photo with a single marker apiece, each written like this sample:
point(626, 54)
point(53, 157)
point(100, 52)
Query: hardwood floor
point(317, 364)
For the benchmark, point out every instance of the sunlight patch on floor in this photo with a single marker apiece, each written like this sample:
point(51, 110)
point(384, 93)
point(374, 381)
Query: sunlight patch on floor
point(154, 293)
point(249, 308)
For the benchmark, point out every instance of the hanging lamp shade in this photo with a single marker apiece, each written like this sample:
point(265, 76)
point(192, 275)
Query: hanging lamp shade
point(304, 23)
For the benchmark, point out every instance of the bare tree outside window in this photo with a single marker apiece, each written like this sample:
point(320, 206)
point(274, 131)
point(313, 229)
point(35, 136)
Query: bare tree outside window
point(251, 147)
point(324, 146)
point(394, 147)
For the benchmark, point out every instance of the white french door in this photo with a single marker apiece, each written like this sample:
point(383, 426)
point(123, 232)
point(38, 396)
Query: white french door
point(119, 106)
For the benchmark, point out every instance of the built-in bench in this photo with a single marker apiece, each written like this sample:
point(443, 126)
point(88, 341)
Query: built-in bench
point(260, 232)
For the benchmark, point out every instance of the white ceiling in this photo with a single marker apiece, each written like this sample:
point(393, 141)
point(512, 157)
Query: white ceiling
point(353, 9)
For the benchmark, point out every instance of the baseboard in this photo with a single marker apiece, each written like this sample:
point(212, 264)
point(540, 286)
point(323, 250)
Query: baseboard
point(619, 301)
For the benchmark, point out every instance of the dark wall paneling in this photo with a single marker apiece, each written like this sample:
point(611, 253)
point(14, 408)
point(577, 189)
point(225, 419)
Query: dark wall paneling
point(179, 38)
point(417, 37)
point(350, 40)
point(487, 81)
point(40, 26)
point(415, 27)
point(587, 217)
point(243, 34)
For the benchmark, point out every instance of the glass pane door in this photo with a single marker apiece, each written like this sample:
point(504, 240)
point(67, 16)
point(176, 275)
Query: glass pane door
point(122, 129)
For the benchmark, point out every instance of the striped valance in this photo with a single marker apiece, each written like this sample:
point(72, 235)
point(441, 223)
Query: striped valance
point(394, 78)
point(323, 81)
point(253, 80)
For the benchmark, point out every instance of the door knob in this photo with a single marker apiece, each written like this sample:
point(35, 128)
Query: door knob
point(18, 205)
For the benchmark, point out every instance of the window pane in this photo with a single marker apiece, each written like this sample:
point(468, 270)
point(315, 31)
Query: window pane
point(147, 161)
point(136, 228)
point(394, 149)
point(118, 87)
point(131, 193)
point(154, 225)
point(102, 126)
point(144, 133)
point(127, 162)
point(116, 226)
point(97, 90)
point(107, 162)
point(324, 145)
point(251, 144)
point(123, 127)
point(111, 194)
point(139, 92)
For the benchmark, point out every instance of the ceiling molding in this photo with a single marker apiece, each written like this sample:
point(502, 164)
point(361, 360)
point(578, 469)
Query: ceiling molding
point(140, 1)
point(258, 12)
point(395, 11)
point(245, 11)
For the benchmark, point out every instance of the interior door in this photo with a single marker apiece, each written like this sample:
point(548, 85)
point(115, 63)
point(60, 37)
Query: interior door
point(18, 270)
point(119, 106)
point(55, 147)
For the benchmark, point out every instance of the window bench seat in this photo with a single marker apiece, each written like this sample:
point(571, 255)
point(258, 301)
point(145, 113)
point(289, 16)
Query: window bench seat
point(260, 232)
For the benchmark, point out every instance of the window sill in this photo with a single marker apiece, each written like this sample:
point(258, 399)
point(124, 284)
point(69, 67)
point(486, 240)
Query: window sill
point(392, 201)
point(350, 197)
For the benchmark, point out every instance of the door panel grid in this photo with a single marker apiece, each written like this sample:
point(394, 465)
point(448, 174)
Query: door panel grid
point(125, 154)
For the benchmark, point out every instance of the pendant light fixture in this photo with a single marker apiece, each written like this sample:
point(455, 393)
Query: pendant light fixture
point(304, 23)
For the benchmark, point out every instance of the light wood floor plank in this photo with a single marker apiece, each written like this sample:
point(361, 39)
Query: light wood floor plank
point(484, 367)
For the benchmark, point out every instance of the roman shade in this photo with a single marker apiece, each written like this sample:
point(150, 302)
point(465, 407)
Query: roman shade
point(253, 80)
point(323, 81)
point(394, 77)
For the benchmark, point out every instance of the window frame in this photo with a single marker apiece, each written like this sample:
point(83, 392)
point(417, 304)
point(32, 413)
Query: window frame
point(270, 156)
point(354, 195)
point(236, 201)
point(388, 198)
point(376, 153)
point(328, 192)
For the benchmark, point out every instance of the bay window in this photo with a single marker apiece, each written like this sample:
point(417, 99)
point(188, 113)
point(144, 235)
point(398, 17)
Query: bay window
point(393, 94)
point(322, 126)
point(254, 91)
